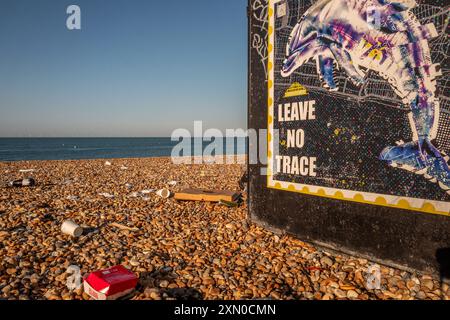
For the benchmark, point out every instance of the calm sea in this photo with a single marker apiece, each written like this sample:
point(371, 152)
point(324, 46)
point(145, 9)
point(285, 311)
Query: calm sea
point(15, 149)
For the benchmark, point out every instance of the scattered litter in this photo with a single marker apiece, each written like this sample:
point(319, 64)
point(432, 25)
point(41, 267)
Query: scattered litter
point(29, 182)
point(110, 284)
point(107, 195)
point(164, 193)
point(147, 191)
point(172, 183)
point(129, 186)
point(72, 198)
point(27, 170)
point(207, 195)
point(135, 194)
point(107, 163)
point(71, 228)
point(122, 227)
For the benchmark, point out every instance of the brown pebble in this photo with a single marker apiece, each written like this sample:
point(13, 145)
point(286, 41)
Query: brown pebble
point(428, 283)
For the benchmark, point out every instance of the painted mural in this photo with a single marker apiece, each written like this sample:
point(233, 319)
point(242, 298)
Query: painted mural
point(358, 101)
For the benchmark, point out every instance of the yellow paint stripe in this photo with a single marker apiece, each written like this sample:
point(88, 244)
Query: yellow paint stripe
point(380, 201)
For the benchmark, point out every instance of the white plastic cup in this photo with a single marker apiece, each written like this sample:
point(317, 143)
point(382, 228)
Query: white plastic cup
point(71, 228)
point(164, 193)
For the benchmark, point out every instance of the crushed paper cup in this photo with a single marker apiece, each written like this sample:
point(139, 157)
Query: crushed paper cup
point(71, 228)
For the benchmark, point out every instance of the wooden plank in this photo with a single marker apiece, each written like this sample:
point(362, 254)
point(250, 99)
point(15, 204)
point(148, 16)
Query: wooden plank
point(206, 195)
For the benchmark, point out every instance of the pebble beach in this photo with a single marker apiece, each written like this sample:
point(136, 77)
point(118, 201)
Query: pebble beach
point(178, 249)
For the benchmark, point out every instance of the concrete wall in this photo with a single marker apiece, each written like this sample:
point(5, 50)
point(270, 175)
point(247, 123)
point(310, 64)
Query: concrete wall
point(355, 202)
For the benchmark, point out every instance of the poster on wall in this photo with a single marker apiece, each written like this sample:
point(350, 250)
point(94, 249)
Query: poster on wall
point(358, 102)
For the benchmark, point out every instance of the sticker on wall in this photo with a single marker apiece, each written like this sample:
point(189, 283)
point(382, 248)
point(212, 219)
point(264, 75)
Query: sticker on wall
point(358, 102)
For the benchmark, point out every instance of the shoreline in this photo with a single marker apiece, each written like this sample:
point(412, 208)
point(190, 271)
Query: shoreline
point(207, 158)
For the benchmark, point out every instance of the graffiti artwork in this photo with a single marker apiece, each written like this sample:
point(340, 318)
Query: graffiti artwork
point(358, 101)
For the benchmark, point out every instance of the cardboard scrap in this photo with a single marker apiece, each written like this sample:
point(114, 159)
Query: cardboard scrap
point(207, 195)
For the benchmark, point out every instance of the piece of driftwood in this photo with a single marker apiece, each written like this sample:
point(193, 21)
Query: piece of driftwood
point(206, 195)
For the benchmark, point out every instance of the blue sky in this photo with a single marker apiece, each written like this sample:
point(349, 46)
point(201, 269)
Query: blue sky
point(136, 68)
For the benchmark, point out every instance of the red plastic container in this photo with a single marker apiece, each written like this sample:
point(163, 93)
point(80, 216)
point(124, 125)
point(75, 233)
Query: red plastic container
point(110, 284)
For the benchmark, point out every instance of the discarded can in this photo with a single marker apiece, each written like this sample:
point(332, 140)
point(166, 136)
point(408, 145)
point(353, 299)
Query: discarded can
point(28, 182)
point(71, 228)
